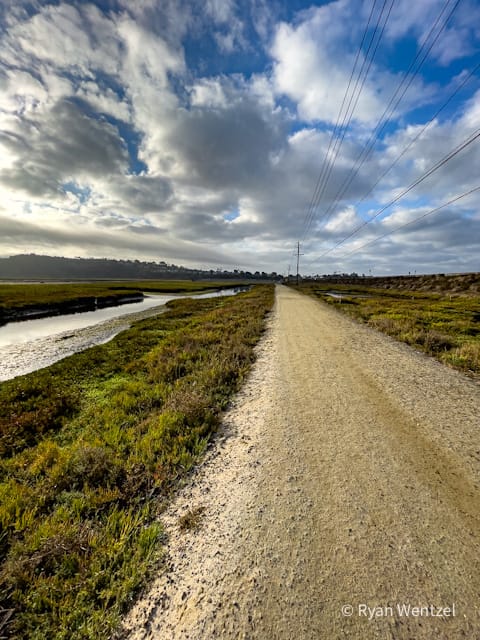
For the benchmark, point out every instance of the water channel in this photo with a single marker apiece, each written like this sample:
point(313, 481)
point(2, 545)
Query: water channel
point(33, 344)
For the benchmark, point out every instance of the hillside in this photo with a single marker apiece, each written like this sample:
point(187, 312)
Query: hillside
point(35, 267)
point(450, 283)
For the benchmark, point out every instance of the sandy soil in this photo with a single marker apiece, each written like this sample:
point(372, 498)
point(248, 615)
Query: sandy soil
point(347, 475)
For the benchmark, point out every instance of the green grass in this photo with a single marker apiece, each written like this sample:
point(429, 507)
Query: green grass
point(16, 296)
point(92, 448)
point(443, 325)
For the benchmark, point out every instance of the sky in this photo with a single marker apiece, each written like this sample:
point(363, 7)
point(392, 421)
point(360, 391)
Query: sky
point(219, 133)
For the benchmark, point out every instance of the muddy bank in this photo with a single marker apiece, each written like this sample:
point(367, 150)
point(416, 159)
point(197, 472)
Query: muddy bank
point(78, 305)
point(20, 359)
point(45, 340)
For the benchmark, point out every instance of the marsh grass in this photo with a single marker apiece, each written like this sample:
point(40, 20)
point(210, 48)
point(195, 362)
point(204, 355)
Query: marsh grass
point(16, 296)
point(91, 449)
point(444, 325)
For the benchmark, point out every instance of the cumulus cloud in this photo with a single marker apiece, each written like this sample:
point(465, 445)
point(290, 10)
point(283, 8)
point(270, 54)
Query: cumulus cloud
point(313, 62)
point(208, 92)
point(312, 69)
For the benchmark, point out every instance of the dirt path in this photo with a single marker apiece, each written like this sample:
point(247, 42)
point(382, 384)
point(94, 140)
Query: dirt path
point(347, 475)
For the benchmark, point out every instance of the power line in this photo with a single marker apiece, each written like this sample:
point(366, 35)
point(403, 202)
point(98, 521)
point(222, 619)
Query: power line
point(334, 132)
point(319, 186)
point(420, 57)
point(327, 168)
point(420, 133)
point(468, 141)
point(345, 123)
point(402, 226)
point(326, 165)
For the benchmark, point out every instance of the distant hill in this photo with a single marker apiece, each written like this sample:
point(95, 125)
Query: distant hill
point(34, 267)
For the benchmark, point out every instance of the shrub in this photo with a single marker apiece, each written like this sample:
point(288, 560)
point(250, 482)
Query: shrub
point(87, 465)
point(435, 341)
point(32, 408)
point(466, 357)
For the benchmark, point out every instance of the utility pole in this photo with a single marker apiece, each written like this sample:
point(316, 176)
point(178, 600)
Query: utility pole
point(298, 260)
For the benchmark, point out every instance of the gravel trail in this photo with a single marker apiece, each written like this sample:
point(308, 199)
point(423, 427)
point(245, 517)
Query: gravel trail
point(346, 475)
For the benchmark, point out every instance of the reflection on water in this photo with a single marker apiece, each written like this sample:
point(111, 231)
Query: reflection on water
point(28, 330)
point(33, 344)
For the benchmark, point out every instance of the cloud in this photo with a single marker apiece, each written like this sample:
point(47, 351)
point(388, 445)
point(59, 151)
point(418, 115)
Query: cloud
point(312, 67)
point(343, 222)
point(148, 57)
point(459, 36)
point(437, 142)
point(62, 144)
point(313, 62)
point(57, 234)
point(136, 195)
point(263, 19)
point(229, 147)
point(169, 20)
point(104, 100)
point(62, 35)
point(443, 242)
point(112, 144)
point(222, 11)
point(208, 92)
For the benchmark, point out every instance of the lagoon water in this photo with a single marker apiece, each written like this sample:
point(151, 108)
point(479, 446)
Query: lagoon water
point(33, 344)
point(30, 330)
